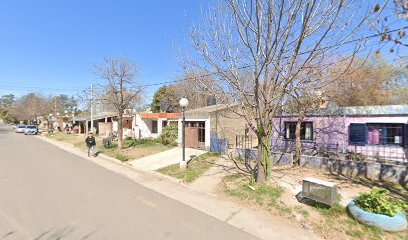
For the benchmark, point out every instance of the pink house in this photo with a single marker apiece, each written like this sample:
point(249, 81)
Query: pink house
point(378, 132)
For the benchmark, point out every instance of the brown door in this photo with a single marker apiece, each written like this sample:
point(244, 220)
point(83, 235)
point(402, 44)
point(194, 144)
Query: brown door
point(191, 137)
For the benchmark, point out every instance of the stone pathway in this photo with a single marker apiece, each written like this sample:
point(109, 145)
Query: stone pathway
point(164, 159)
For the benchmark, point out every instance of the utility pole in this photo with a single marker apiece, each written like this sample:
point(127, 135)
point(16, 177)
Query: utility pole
point(92, 123)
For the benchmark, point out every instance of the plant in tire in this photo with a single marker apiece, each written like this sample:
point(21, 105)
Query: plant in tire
point(380, 201)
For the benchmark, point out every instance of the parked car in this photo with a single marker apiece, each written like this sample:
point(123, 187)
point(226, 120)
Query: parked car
point(20, 128)
point(30, 130)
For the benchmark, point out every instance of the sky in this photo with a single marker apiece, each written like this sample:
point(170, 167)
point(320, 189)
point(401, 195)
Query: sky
point(50, 46)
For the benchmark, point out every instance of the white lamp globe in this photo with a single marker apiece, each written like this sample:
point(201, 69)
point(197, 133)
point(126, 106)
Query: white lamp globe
point(183, 102)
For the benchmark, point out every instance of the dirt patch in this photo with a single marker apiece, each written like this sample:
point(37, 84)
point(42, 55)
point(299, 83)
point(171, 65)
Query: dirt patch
point(329, 223)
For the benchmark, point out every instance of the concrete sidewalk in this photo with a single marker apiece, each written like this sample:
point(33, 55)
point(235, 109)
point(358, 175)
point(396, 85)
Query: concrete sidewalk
point(164, 159)
point(256, 223)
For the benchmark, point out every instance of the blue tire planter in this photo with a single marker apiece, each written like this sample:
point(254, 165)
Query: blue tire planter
point(390, 224)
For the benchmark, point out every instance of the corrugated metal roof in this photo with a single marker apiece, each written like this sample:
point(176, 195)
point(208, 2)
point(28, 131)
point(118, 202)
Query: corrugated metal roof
point(332, 111)
point(360, 111)
point(96, 116)
point(377, 110)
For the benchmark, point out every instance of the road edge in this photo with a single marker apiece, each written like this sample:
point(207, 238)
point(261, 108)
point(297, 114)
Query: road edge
point(253, 222)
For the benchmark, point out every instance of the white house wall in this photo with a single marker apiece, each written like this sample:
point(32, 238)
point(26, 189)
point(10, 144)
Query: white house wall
point(145, 125)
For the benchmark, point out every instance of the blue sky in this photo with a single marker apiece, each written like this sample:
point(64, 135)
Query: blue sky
point(51, 46)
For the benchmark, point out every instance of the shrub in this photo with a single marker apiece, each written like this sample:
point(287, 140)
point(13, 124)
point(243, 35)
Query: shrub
point(381, 202)
point(355, 156)
point(169, 135)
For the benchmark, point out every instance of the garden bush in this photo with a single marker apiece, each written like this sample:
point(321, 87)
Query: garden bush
point(380, 201)
point(169, 135)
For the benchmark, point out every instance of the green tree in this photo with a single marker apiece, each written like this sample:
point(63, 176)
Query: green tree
point(6, 105)
point(7, 100)
point(165, 99)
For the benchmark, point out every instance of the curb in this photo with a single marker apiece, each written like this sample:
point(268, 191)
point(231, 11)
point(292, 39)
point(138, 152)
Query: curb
point(255, 223)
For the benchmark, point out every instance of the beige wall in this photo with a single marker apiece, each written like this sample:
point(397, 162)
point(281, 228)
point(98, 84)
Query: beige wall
point(229, 125)
point(105, 128)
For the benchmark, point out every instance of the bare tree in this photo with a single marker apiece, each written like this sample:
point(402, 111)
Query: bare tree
point(300, 104)
point(392, 24)
point(261, 50)
point(369, 83)
point(121, 89)
point(31, 106)
point(197, 94)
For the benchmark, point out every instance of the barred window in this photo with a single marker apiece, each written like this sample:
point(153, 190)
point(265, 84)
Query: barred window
point(306, 130)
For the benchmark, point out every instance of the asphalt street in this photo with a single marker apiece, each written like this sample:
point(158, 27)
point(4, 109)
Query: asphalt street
point(48, 193)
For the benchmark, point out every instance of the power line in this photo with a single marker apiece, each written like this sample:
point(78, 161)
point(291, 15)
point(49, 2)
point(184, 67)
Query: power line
point(302, 53)
point(28, 88)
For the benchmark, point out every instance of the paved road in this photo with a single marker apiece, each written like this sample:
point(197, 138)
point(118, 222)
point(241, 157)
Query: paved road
point(47, 194)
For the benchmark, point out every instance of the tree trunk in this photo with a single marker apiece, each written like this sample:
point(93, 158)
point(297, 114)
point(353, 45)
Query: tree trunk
point(264, 164)
point(298, 143)
point(120, 131)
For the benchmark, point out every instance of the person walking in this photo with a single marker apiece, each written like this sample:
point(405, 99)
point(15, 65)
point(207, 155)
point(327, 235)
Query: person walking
point(90, 142)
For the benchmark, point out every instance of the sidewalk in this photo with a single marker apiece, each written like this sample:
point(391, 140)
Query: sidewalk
point(164, 159)
point(256, 223)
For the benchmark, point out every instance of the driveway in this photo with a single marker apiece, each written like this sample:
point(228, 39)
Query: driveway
point(164, 159)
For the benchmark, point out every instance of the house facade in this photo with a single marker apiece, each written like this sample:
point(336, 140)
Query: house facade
point(103, 123)
point(378, 132)
point(208, 124)
point(150, 125)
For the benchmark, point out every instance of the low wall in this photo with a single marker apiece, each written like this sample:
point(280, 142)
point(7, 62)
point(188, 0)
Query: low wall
point(348, 168)
point(278, 158)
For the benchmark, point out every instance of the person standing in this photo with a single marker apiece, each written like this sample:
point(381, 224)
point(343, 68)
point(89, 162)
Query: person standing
point(90, 143)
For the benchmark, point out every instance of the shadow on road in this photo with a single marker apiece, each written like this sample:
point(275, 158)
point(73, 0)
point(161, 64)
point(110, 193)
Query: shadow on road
point(52, 234)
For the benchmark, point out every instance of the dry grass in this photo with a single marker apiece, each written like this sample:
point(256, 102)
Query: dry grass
point(330, 223)
point(132, 149)
point(196, 167)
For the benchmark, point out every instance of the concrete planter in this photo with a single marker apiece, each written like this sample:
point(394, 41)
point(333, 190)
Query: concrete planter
point(390, 224)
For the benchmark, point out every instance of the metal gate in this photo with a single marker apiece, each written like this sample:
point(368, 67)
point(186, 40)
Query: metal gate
point(218, 144)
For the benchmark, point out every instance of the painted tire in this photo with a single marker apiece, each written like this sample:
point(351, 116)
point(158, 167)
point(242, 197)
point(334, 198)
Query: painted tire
point(390, 224)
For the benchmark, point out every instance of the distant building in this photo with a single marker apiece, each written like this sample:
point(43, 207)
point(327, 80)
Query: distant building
point(374, 131)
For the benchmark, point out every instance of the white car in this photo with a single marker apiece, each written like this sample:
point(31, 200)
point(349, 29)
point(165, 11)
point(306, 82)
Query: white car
point(20, 128)
point(30, 130)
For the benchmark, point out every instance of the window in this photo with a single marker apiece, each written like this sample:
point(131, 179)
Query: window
point(154, 126)
point(306, 130)
point(376, 133)
point(164, 123)
point(384, 134)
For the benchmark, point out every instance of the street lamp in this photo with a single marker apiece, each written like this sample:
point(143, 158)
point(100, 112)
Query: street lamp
point(183, 104)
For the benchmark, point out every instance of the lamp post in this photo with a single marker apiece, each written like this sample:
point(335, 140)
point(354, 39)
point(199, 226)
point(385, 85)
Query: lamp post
point(183, 104)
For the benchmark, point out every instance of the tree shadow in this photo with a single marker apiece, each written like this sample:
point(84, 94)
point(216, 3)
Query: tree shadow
point(52, 234)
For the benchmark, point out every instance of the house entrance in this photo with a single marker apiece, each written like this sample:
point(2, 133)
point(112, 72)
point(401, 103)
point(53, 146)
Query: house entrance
point(195, 134)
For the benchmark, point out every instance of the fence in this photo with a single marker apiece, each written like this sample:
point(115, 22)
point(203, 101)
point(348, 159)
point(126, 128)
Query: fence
point(381, 152)
point(246, 142)
point(218, 144)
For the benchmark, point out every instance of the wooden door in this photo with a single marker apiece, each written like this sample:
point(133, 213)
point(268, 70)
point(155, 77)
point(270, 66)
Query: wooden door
point(191, 137)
